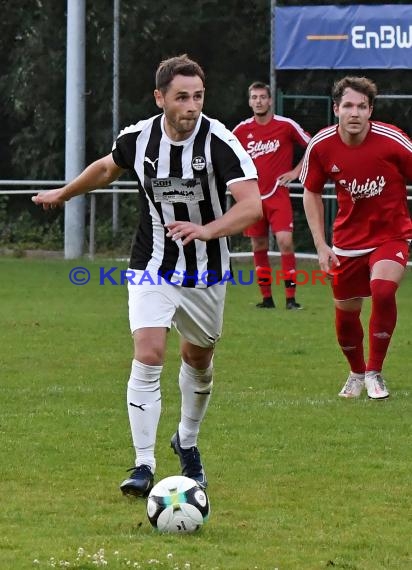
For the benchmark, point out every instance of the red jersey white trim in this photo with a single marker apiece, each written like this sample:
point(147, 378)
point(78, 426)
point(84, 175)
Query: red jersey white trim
point(369, 182)
point(271, 147)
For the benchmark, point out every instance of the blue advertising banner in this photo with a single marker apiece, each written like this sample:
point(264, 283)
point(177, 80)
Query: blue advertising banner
point(343, 37)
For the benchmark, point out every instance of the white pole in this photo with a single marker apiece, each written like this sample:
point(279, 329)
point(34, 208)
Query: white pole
point(272, 76)
point(272, 53)
point(116, 12)
point(75, 125)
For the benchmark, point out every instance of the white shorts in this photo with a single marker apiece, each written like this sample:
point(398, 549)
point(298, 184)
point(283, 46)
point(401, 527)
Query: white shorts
point(197, 314)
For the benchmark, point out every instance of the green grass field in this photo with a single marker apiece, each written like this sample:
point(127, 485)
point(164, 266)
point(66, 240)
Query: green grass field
point(298, 478)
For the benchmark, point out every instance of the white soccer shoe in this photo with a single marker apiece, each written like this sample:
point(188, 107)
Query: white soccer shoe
point(375, 385)
point(353, 386)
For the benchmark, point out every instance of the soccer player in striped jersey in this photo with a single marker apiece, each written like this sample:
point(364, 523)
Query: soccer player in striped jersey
point(183, 162)
point(369, 163)
point(270, 140)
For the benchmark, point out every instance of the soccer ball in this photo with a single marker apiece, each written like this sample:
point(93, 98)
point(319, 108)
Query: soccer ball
point(177, 504)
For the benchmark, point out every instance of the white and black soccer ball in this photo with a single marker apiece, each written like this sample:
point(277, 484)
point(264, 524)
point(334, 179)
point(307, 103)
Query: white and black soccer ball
point(177, 504)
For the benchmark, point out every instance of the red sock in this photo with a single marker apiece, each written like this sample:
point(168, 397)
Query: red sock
point(288, 263)
point(382, 322)
point(350, 338)
point(263, 272)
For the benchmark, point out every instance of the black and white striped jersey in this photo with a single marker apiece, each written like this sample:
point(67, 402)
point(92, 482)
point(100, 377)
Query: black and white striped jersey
point(185, 181)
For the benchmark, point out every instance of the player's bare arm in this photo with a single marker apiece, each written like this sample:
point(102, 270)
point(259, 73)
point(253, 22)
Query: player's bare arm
point(97, 175)
point(314, 211)
point(246, 211)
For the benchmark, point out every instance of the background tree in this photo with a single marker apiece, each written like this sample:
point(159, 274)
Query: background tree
point(32, 84)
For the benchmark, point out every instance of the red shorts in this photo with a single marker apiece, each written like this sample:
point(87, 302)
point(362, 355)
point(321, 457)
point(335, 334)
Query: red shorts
point(352, 278)
point(277, 215)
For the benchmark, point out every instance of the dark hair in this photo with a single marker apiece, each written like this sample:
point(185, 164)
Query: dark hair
point(179, 65)
point(360, 84)
point(259, 85)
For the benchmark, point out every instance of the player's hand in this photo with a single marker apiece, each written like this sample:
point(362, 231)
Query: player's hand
point(49, 199)
point(187, 232)
point(328, 260)
point(286, 178)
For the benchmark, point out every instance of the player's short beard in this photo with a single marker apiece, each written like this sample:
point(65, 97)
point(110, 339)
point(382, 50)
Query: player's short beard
point(263, 113)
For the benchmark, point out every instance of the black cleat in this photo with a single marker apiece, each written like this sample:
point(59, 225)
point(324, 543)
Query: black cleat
point(189, 461)
point(140, 482)
point(292, 305)
point(267, 303)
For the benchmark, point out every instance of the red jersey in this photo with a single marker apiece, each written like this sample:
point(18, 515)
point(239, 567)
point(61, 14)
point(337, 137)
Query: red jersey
point(271, 147)
point(370, 183)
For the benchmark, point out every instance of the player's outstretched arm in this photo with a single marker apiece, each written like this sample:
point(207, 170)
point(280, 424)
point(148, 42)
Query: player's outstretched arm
point(97, 175)
point(246, 210)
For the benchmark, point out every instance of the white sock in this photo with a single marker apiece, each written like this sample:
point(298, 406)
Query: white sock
point(144, 405)
point(195, 386)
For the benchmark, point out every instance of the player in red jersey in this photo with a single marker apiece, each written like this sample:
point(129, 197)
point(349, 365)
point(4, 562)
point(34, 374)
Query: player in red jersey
point(369, 163)
point(270, 141)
